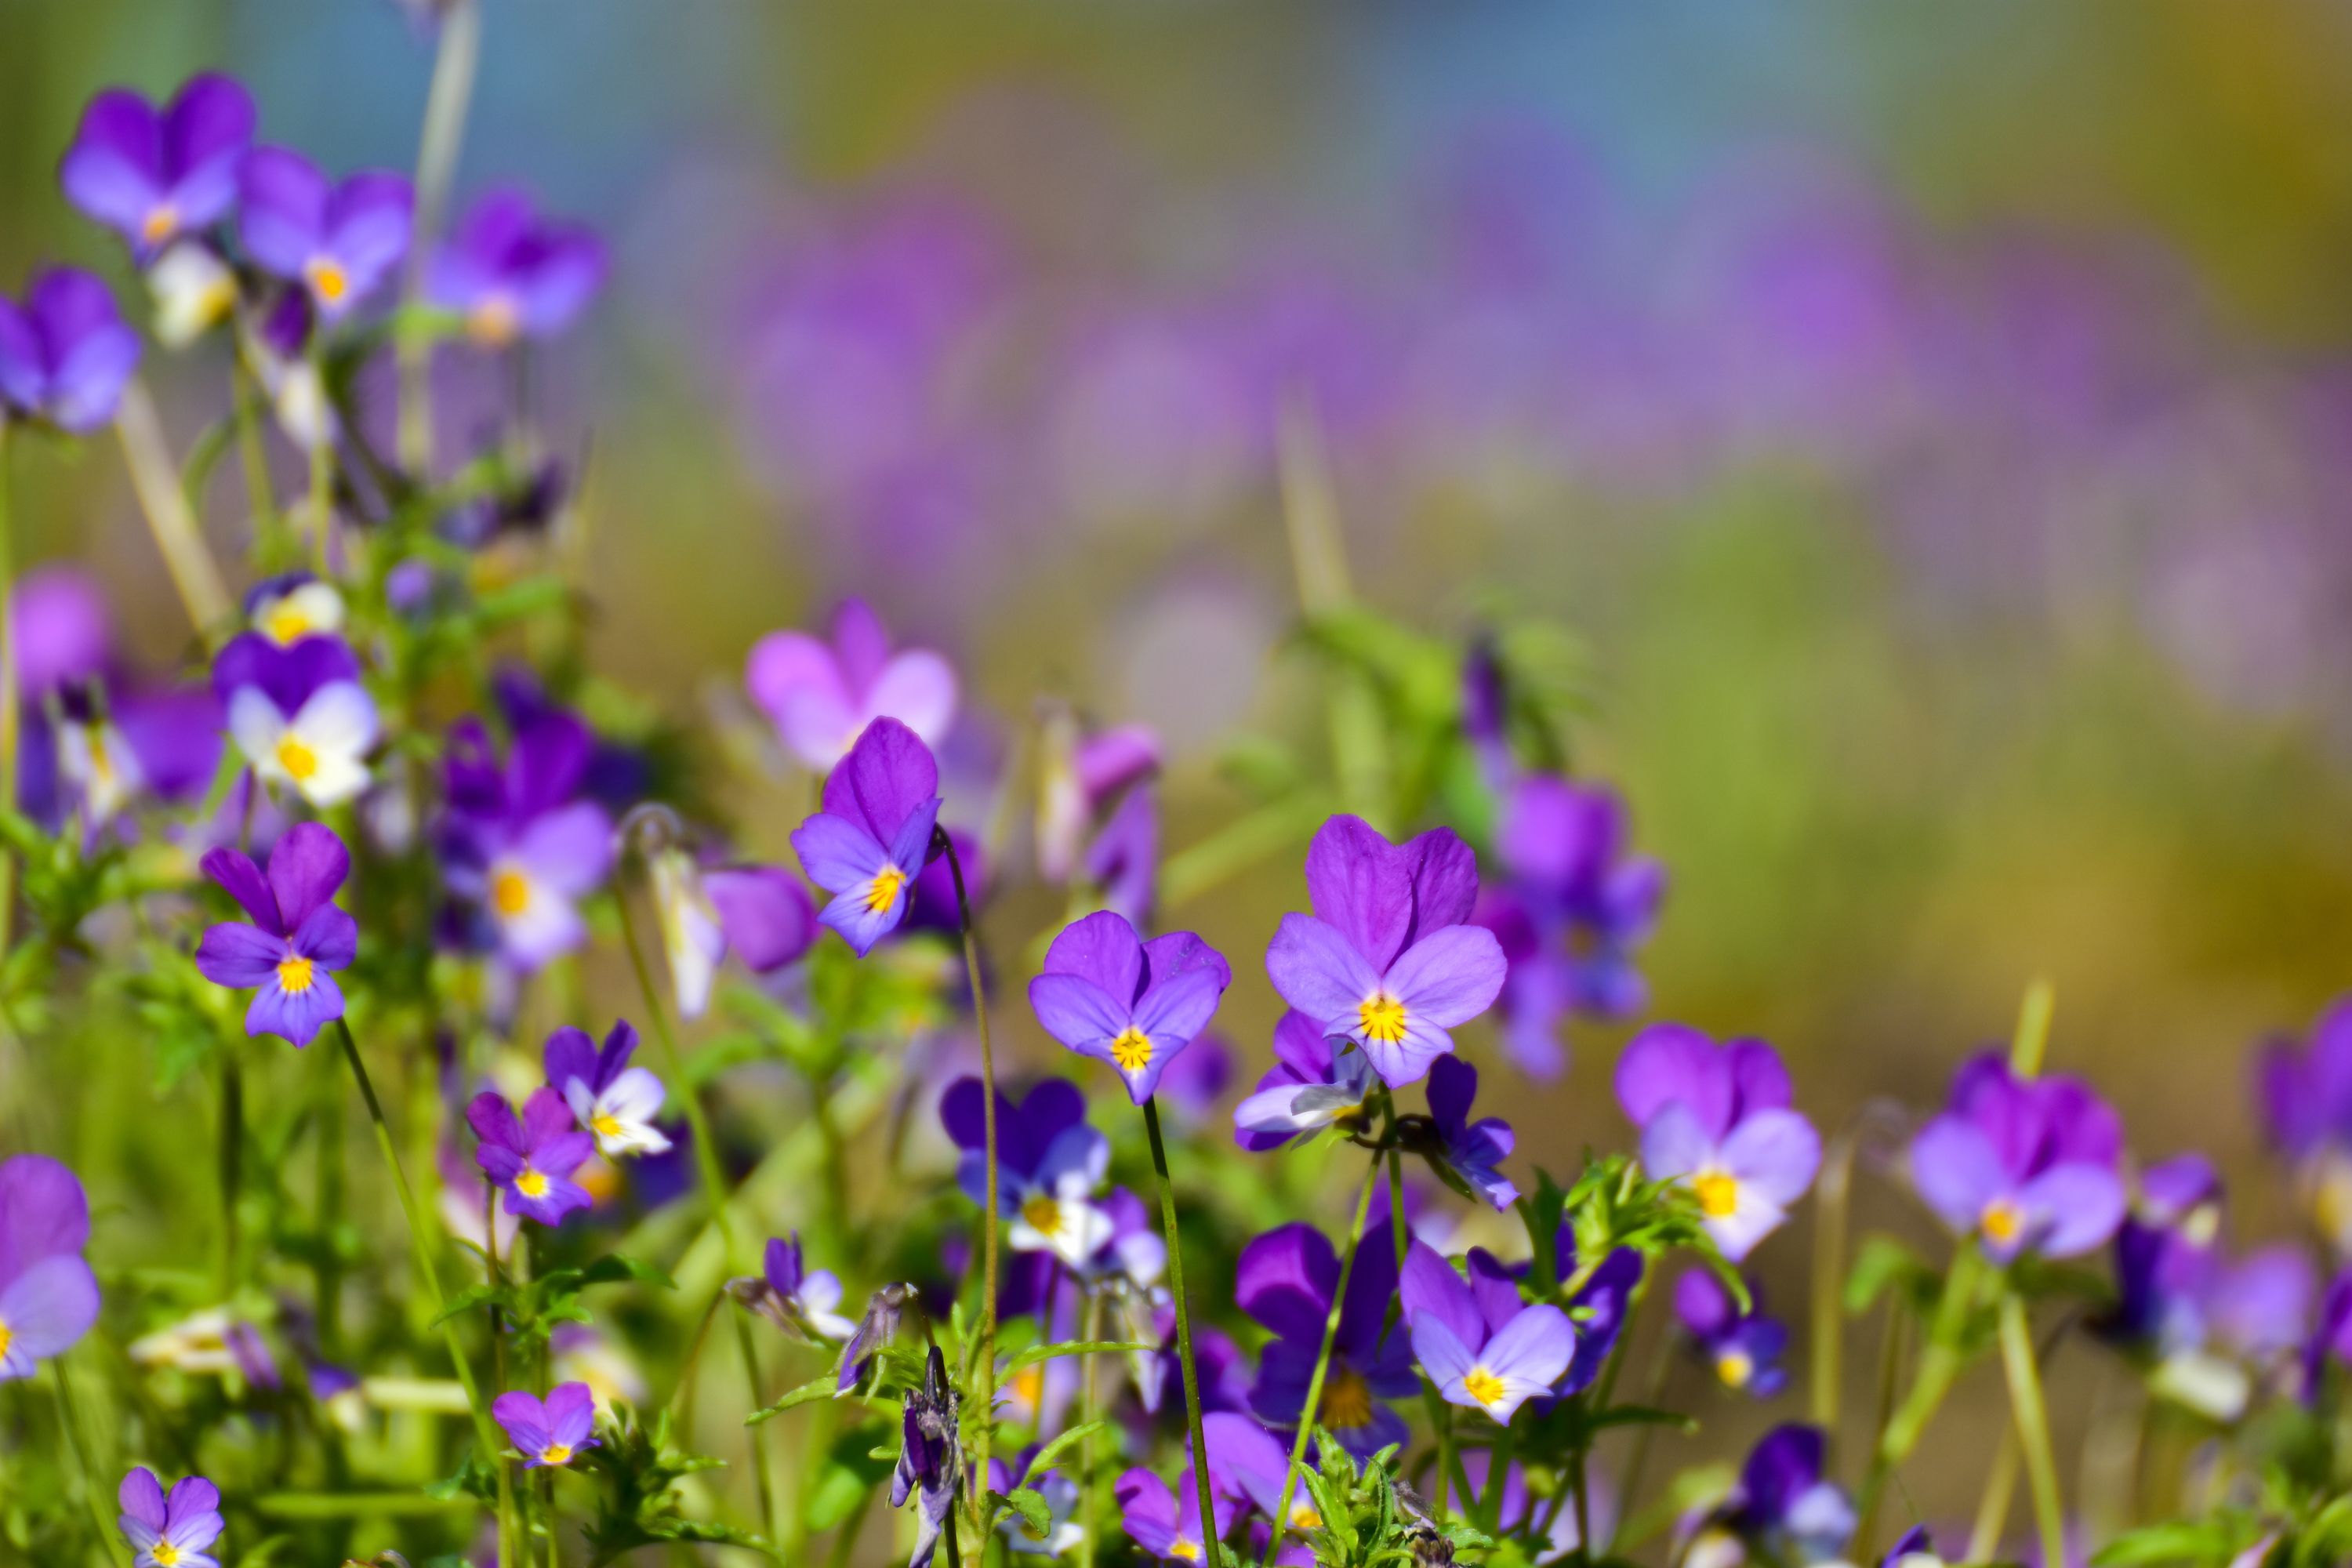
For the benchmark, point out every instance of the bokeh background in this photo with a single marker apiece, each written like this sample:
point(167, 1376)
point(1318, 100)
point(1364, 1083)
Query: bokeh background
point(1935, 425)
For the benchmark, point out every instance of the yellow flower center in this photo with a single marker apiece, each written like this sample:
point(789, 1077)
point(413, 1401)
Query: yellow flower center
point(605, 1124)
point(495, 322)
point(284, 624)
point(1382, 1017)
point(1304, 1517)
point(556, 1454)
point(298, 760)
point(328, 280)
point(1029, 1385)
point(101, 762)
point(1718, 1194)
point(1185, 1550)
point(1131, 1050)
point(164, 1553)
point(162, 222)
point(8, 1337)
point(883, 891)
point(510, 891)
point(2004, 1221)
point(1483, 1387)
point(1347, 1400)
point(296, 975)
point(531, 1183)
point(1042, 1213)
point(1735, 1367)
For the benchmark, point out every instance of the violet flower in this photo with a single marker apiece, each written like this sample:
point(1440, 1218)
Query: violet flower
point(613, 1100)
point(287, 608)
point(151, 175)
point(931, 1457)
point(510, 274)
point(1286, 1280)
point(298, 713)
point(1599, 1309)
point(761, 911)
point(1482, 1346)
point(1386, 958)
point(1050, 1167)
point(1719, 1120)
point(1078, 778)
point(516, 844)
point(875, 834)
point(64, 355)
point(1166, 1525)
point(1784, 1504)
point(1915, 1549)
point(1744, 1350)
point(64, 634)
point(823, 698)
point(1255, 1463)
point(1107, 993)
point(2306, 1102)
point(1123, 861)
point(49, 1297)
point(1467, 1153)
point(876, 1329)
point(339, 241)
point(550, 1433)
point(173, 1531)
point(1521, 1511)
point(1315, 1080)
point(1062, 1534)
point(799, 1301)
point(2026, 1165)
point(298, 940)
point(532, 1159)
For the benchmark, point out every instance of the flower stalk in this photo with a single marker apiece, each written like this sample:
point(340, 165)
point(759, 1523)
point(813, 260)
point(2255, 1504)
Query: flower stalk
point(1184, 1319)
point(982, 1429)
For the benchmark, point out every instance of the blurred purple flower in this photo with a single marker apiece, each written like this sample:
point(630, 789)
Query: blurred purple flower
point(1719, 1121)
point(613, 1101)
point(550, 1433)
point(518, 847)
point(532, 1159)
point(823, 698)
point(2026, 1165)
point(931, 1457)
point(1286, 1280)
point(875, 834)
point(1743, 1349)
point(1484, 1348)
point(1107, 993)
point(152, 175)
point(1165, 1524)
point(64, 635)
point(298, 713)
point(1079, 776)
point(511, 274)
point(297, 940)
point(49, 1297)
point(66, 354)
point(339, 241)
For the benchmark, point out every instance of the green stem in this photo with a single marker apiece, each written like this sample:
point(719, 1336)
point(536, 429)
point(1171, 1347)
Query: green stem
point(984, 1429)
point(510, 1539)
point(103, 1532)
point(546, 1515)
point(1314, 1405)
point(2032, 1426)
point(1498, 1466)
point(1940, 1360)
point(1830, 1210)
point(1086, 1444)
point(1653, 1391)
point(232, 1161)
point(455, 55)
point(1183, 1324)
point(1992, 1509)
point(327, 1271)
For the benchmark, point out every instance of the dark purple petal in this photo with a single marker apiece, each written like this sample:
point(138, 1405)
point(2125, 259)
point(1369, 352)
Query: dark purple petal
point(113, 172)
point(238, 874)
point(570, 1054)
point(283, 209)
point(1103, 949)
point(305, 869)
point(766, 914)
point(238, 956)
point(887, 776)
point(205, 135)
point(1284, 1281)
point(493, 1121)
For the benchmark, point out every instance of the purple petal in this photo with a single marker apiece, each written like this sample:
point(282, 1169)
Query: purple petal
point(918, 688)
point(1534, 1346)
point(2079, 1207)
point(1180, 1007)
point(795, 679)
point(524, 1418)
point(766, 914)
point(1674, 1144)
point(43, 1213)
point(1441, 1351)
point(1075, 1011)
point(296, 1019)
point(837, 854)
point(571, 1413)
point(1103, 949)
point(114, 171)
point(1315, 969)
point(545, 1117)
point(1430, 1288)
point(1453, 1086)
point(1359, 884)
point(887, 776)
point(570, 1054)
point(1776, 1151)
point(283, 209)
point(1284, 1280)
point(570, 848)
point(305, 869)
point(191, 1498)
point(50, 1307)
point(1670, 1063)
point(1957, 1170)
point(238, 956)
point(141, 1497)
point(205, 135)
point(493, 1121)
point(1758, 1080)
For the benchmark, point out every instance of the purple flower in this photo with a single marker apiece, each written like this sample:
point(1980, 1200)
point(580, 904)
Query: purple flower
point(338, 241)
point(876, 1329)
point(65, 356)
point(1466, 1152)
point(1719, 1119)
point(298, 713)
point(64, 635)
point(2306, 1102)
point(2027, 1165)
point(154, 175)
point(1123, 861)
point(532, 1159)
point(1386, 958)
point(1285, 1280)
point(1482, 1347)
point(931, 1457)
point(1784, 1504)
point(613, 1100)
point(823, 698)
point(1108, 994)
point(1744, 1349)
point(169, 1532)
point(874, 836)
point(1167, 1524)
point(1599, 1307)
point(1915, 1549)
point(518, 846)
point(1316, 1079)
point(1050, 1167)
point(511, 274)
point(297, 940)
point(760, 911)
point(1250, 1462)
point(1079, 777)
point(1061, 1536)
point(293, 607)
point(796, 1299)
point(550, 1433)
point(1522, 1509)
point(49, 1297)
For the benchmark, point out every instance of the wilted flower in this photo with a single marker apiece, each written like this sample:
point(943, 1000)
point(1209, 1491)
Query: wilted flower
point(532, 1159)
point(170, 1532)
point(1286, 1279)
point(614, 1101)
point(1316, 1079)
point(761, 911)
point(1482, 1347)
point(298, 713)
point(822, 698)
point(1743, 1349)
point(298, 941)
point(64, 355)
point(1108, 995)
point(1050, 1167)
point(876, 1329)
point(931, 1457)
point(875, 834)
point(1719, 1119)
point(49, 1297)
point(152, 175)
point(549, 1433)
point(339, 241)
point(510, 274)
point(2025, 1165)
point(1077, 777)
point(799, 1301)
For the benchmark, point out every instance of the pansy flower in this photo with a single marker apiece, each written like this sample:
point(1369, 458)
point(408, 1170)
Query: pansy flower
point(1165, 1524)
point(152, 175)
point(1521, 1511)
point(65, 635)
point(612, 1099)
point(929, 1471)
point(49, 1297)
point(1743, 1349)
point(1107, 993)
point(876, 1329)
point(1051, 1166)
point(172, 1531)
point(1482, 1347)
point(549, 1433)
point(1122, 863)
point(824, 697)
point(760, 911)
point(532, 1159)
point(875, 835)
point(64, 355)
point(1784, 1506)
point(2024, 1165)
point(338, 241)
point(1386, 958)
point(796, 1299)
point(2306, 1096)
point(510, 274)
point(1285, 1280)
point(298, 940)
point(1317, 1079)
point(1254, 1463)
point(1718, 1121)
point(1599, 1309)
point(288, 608)
point(1466, 1152)
point(298, 713)
point(1062, 1534)
point(520, 849)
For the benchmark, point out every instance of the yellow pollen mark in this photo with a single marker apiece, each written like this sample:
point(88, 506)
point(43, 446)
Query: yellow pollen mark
point(1305, 1518)
point(328, 280)
point(606, 1125)
point(284, 624)
point(1483, 1387)
point(1029, 1385)
point(531, 1183)
point(1735, 1367)
point(2002, 1222)
point(1382, 1017)
point(164, 1553)
point(1131, 1050)
point(296, 975)
point(883, 891)
point(1185, 1550)
point(1042, 1213)
point(162, 222)
point(509, 892)
point(101, 762)
point(495, 322)
point(1347, 1400)
point(8, 1337)
point(1718, 1195)
point(298, 759)
point(556, 1454)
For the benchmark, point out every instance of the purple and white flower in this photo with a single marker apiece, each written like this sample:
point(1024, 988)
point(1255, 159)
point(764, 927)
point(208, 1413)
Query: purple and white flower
point(1286, 1280)
point(518, 847)
point(613, 1100)
point(339, 241)
point(49, 1297)
point(174, 1531)
point(1482, 1346)
point(1315, 1080)
point(1107, 993)
point(298, 940)
point(1718, 1121)
point(549, 1433)
point(798, 1300)
point(298, 713)
point(1743, 1349)
point(1051, 1166)
point(2023, 1164)
point(297, 605)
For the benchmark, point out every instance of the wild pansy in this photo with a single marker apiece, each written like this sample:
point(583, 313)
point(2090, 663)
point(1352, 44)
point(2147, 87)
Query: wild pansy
point(1051, 1166)
point(1482, 1347)
point(613, 1100)
point(1465, 1153)
point(519, 847)
point(509, 273)
point(1783, 1509)
point(1107, 993)
point(2306, 1096)
point(298, 713)
point(65, 354)
point(532, 1159)
point(1315, 1080)
point(1719, 1120)
point(1917, 1548)
point(192, 290)
point(1743, 1349)
point(173, 1531)
point(298, 940)
point(761, 912)
point(1255, 1463)
point(549, 1433)
point(2023, 1164)
point(1386, 958)
point(154, 175)
point(338, 241)
point(287, 608)
point(1062, 1534)
point(1079, 776)
point(797, 1299)
point(875, 832)
point(1599, 1309)
point(823, 698)
point(1165, 1524)
point(931, 1457)
point(1286, 1279)
point(49, 1297)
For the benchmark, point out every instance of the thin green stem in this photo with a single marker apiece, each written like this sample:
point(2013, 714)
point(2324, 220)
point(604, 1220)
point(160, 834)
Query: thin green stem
point(1086, 1444)
point(1654, 1390)
point(102, 1533)
point(1498, 1468)
point(2032, 1426)
point(1941, 1362)
point(1992, 1509)
point(1183, 1321)
point(546, 1515)
point(456, 55)
point(232, 1161)
point(511, 1540)
point(327, 1270)
point(1314, 1405)
point(984, 1429)
point(1831, 1204)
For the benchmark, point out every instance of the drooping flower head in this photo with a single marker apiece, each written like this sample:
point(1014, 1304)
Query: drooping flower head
point(875, 835)
point(340, 242)
point(298, 713)
point(1719, 1120)
point(66, 354)
point(760, 911)
point(49, 1297)
point(931, 1457)
point(1744, 1350)
point(1484, 1348)
point(875, 1330)
point(797, 1299)
point(1079, 776)
point(1108, 994)
point(520, 847)
point(154, 175)
point(1466, 1152)
point(2024, 1165)
point(1386, 958)
point(532, 1159)
point(822, 697)
point(613, 1101)
point(1316, 1079)
point(298, 940)
point(512, 274)
point(550, 1433)
point(1051, 1166)
point(173, 1531)
point(1286, 1280)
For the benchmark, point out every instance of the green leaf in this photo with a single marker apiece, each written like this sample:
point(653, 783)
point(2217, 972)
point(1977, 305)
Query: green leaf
point(1882, 1263)
point(1036, 1353)
point(817, 1388)
point(613, 1267)
point(1062, 1443)
point(473, 1298)
point(1036, 1517)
